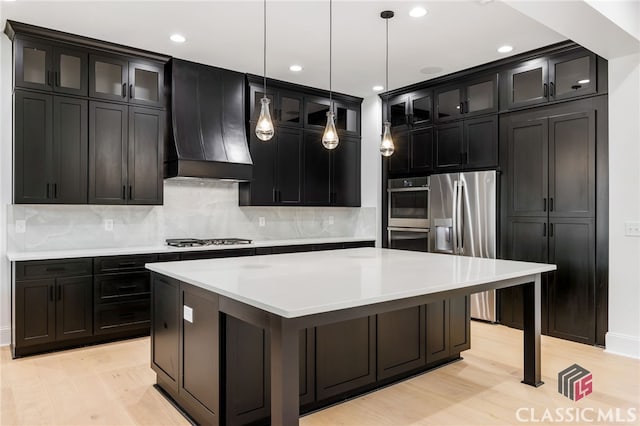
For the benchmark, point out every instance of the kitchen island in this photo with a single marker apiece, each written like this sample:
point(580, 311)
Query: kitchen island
point(287, 293)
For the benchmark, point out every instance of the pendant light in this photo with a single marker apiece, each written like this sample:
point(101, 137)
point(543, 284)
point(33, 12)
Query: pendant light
point(264, 127)
point(386, 144)
point(330, 136)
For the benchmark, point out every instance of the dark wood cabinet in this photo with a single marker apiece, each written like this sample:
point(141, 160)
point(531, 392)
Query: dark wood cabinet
point(413, 152)
point(400, 341)
point(550, 78)
point(410, 110)
point(165, 332)
point(317, 170)
point(398, 163)
point(467, 98)
point(285, 107)
point(50, 149)
point(467, 144)
point(125, 154)
point(42, 65)
point(346, 115)
point(52, 302)
point(447, 329)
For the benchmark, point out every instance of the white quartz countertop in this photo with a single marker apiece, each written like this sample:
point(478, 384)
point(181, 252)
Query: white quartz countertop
point(16, 256)
point(299, 284)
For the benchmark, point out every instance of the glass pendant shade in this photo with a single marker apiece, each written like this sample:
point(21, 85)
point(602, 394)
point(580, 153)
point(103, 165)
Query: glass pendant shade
point(386, 145)
point(330, 136)
point(264, 128)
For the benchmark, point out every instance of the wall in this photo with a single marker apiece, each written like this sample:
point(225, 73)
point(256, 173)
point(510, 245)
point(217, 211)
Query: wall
point(5, 181)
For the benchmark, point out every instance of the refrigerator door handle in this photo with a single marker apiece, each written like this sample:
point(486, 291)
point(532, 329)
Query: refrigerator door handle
point(455, 217)
point(460, 220)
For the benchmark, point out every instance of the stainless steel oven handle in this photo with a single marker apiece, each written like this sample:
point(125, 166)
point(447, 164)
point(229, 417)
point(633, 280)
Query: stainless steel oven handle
point(395, 228)
point(410, 189)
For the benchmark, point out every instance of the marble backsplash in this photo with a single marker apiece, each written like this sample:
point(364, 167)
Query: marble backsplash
point(192, 208)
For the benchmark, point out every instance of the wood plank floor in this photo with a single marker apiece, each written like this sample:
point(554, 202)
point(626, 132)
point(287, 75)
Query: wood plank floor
point(112, 385)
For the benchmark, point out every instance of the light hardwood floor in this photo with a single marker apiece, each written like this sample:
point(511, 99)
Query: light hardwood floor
point(112, 385)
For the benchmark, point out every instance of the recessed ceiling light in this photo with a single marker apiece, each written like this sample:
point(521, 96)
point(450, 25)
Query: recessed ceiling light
point(431, 70)
point(378, 88)
point(505, 49)
point(295, 68)
point(418, 12)
point(585, 81)
point(178, 38)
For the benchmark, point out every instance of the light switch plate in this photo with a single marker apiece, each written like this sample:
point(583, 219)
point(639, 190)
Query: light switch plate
point(632, 229)
point(21, 226)
point(187, 313)
point(261, 221)
point(108, 225)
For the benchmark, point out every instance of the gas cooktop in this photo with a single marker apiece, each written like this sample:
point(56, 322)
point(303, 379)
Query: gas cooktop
point(195, 242)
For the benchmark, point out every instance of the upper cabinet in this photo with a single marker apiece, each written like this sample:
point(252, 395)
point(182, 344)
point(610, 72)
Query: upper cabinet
point(50, 67)
point(410, 109)
point(119, 79)
point(285, 107)
point(346, 115)
point(550, 78)
point(467, 98)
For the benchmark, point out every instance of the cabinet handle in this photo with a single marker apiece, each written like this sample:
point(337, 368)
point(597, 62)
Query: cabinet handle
point(461, 107)
point(552, 89)
point(57, 78)
point(544, 229)
point(48, 78)
point(131, 91)
point(124, 192)
point(124, 90)
point(551, 230)
point(545, 90)
point(544, 204)
point(130, 192)
point(551, 204)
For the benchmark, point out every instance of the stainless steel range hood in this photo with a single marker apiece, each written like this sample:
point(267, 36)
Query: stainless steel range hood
point(207, 138)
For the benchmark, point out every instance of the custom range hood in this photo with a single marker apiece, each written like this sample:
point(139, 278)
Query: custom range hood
point(207, 138)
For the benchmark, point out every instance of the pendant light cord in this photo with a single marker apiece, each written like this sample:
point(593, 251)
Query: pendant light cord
point(264, 47)
point(387, 70)
point(330, 46)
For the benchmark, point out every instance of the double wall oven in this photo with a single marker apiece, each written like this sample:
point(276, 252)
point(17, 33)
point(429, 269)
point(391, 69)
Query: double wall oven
point(408, 213)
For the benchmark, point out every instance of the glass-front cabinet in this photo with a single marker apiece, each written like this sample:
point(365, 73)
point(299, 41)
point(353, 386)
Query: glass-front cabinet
point(285, 107)
point(410, 109)
point(346, 115)
point(116, 79)
point(553, 78)
point(50, 67)
point(469, 98)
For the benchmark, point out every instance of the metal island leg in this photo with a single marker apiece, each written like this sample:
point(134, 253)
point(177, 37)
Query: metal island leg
point(532, 328)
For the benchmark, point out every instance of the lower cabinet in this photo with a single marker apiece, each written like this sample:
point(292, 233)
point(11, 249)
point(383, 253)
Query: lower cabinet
point(448, 331)
point(400, 341)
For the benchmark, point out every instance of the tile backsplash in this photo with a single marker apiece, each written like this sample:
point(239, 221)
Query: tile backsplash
point(192, 208)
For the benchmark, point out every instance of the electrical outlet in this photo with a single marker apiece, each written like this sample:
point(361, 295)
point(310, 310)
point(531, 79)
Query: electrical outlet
point(108, 225)
point(330, 220)
point(21, 226)
point(261, 222)
point(632, 229)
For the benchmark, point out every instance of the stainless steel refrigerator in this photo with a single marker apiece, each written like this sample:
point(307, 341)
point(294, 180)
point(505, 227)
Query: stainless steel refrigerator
point(463, 222)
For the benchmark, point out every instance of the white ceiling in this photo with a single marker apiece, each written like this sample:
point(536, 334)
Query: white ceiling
point(454, 35)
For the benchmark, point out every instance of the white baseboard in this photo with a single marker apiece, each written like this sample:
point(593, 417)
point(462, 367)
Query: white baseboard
point(5, 336)
point(622, 344)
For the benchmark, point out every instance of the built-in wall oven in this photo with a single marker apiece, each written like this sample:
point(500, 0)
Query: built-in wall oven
point(408, 213)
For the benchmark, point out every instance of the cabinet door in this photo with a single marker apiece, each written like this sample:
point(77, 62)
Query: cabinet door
point(448, 150)
point(35, 312)
point(421, 108)
point(289, 164)
point(481, 142)
point(165, 337)
point(256, 93)
point(33, 133)
point(108, 78)
point(289, 109)
point(398, 111)
point(572, 285)
point(481, 96)
point(528, 167)
point(74, 307)
point(347, 118)
point(346, 173)
point(146, 84)
point(399, 160)
point(437, 340)
point(317, 170)
point(421, 152)
point(70, 150)
point(527, 84)
point(572, 165)
point(108, 129)
point(572, 74)
point(145, 156)
point(345, 356)
point(449, 103)
point(263, 186)
point(459, 324)
point(401, 341)
point(315, 112)
point(33, 65)
point(71, 71)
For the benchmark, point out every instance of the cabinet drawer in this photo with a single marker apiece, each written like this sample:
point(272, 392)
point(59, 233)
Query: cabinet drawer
point(53, 268)
point(123, 263)
point(168, 257)
point(115, 317)
point(121, 287)
point(213, 254)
